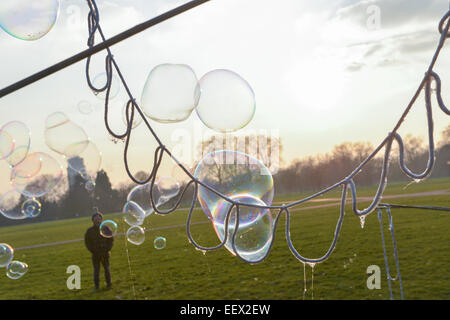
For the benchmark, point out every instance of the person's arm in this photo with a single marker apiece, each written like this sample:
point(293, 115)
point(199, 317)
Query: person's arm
point(88, 242)
point(109, 243)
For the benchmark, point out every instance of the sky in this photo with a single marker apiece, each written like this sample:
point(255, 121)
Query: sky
point(323, 72)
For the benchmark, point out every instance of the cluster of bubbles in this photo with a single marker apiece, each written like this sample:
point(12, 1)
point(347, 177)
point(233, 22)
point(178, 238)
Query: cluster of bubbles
point(223, 100)
point(27, 21)
point(247, 181)
point(71, 141)
point(139, 205)
point(14, 269)
point(32, 174)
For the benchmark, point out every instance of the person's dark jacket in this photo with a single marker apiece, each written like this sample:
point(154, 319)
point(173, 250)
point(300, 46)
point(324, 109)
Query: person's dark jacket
point(96, 243)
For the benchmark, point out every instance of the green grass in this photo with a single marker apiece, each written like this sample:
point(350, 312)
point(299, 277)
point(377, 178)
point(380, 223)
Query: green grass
point(181, 272)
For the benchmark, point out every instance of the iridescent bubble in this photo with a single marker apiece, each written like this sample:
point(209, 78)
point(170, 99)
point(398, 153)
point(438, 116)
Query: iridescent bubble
point(137, 119)
point(168, 187)
point(136, 235)
point(6, 254)
point(159, 243)
point(27, 20)
point(100, 81)
point(31, 208)
point(225, 101)
point(85, 107)
point(254, 234)
point(108, 228)
point(38, 184)
point(20, 135)
point(60, 133)
point(6, 145)
point(89, 185)
point(168, 94)
point(232, 173)
point(133, 214)
point(91, 158)
point(16, 269)
point(10, 205)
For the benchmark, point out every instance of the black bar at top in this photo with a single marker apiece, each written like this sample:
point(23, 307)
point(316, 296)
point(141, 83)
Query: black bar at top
point(101, 46)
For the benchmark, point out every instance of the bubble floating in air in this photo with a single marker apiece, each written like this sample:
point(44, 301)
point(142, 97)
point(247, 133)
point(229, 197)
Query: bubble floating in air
point(33, 184)
point(21, 139)
point(16, 270)
point(108, 228)
point(61, 132)
point(168, 188)
point(133, 214)
point(27, 20)
point(168, 94)
point(225, 101)
point(85, 107)
point(89, 185)
point(10, 205)
point(159, 243)
point(142, 194)
point(31, 208)
point(6, 254)
point(6, 144)
point(136, 235)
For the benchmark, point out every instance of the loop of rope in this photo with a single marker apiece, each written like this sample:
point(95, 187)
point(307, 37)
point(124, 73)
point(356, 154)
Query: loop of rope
point(235, 206)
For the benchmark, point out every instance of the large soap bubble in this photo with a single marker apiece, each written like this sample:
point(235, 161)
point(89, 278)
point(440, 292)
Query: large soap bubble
point(243, 179)
point(16, 270)
point(168, 188)
point(225, 101)
point(6, 144)
point(28, 20)
point(136, 235)
point(168, 94)
point(10, 205)
point(141, 196)
point(61, 133)
point(20, 135)
point(232, 173)
point(6, 254)
point(133, 214)
point(34, 184)
point(254, 234)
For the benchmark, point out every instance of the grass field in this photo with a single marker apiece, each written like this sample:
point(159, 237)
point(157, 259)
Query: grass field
point(181, 272)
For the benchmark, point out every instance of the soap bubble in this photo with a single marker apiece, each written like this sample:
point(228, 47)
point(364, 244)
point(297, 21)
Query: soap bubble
point(87, 161)
point(16, 270)
point(141, 196)
point(133, 214)
point(20, 135)
point(31, 208)
point(137, 119)
point(38, 184)
point(136, 235)
point(168, 94)
point(85, 107)
point(226, 101)
point(232, 173)
point(6, 254)
point(27, 20)
point(6, 144)
point(10, 205)
point(159, 243)
point(100, 81)
point(89, 185)
point(108, 228)
point(60, 133)
point(254, 234)
point(168, 187)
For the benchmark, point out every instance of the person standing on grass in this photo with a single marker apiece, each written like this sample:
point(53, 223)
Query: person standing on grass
point(100, 248)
